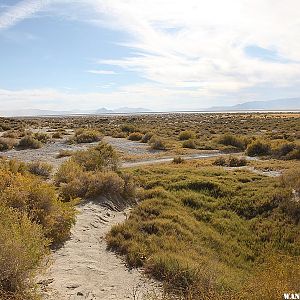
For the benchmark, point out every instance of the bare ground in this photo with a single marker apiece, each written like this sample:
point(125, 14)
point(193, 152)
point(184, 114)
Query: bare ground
point(84, 269)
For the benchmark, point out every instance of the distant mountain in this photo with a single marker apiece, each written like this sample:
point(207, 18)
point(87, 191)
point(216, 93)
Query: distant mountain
point(279, 104)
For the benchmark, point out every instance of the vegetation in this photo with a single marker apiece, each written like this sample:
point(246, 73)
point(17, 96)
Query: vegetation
point(86, 136)
point(29, 142)
point(93, 173)
point(32, 217)
point(208, 233)
point(39, 168)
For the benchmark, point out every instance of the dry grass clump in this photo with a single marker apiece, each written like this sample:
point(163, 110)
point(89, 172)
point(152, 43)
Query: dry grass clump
point(42, 137)
point(205, 231)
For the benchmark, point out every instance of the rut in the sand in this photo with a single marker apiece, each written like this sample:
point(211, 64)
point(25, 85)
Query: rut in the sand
point(84, 269)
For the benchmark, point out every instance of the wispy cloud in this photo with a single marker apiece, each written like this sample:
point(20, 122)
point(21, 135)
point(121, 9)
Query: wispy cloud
point(102, 72)
point(22, 10)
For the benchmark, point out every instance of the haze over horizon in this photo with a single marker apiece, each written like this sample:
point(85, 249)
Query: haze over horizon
point(161, 55)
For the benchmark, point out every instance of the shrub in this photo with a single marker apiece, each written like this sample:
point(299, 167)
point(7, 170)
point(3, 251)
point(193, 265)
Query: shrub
point(57, 135)
point(40, 168)
point(287, 151)
point(237, 162)
point(39, 201)
point(42, 137)
point(103, 156)
point(220, 161)
point(189, 144)
point(156, 143)
point(86, 136)
point(28, 142)
point(135, 136)
point(258, 148)
point(186, 135)
point(6, 144)
point(231, 140)
point(64, 153)
point(147, 136)
point(22, 249)
point(178, 160)
point(128, 128)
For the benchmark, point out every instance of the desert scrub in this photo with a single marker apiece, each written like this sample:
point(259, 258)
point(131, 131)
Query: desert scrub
point(186, 135)
point(258, 148)
point(232, 140)
point(40, 168)
point(92, 173)
point(189, 144)
point(86, 136)
point(7, 143)
point(135, 136)
point(22, 249)
point(204, 230)
point(64, 153)
point(42, 137)
point(39, 200)
point(157, 143)
point(232, 161)
point(29, 142)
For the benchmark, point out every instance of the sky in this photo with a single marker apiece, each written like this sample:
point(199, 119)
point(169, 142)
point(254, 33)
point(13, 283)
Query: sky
point(158, 54)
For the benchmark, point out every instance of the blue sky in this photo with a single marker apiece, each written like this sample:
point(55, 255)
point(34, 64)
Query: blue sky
point(162, 55)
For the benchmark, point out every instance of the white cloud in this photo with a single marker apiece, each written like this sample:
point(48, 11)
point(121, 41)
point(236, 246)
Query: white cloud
point(24, 9)
point(190, 51)
point(202, 42)
point(102, 72)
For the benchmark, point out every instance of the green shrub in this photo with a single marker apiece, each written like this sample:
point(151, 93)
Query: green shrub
point(28, 142)
point(22, 249)
point(189, 144)
point(258, 148)
point(135, 136)
point(187, 135)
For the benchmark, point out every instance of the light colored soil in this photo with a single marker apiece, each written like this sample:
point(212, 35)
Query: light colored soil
point(84, 269)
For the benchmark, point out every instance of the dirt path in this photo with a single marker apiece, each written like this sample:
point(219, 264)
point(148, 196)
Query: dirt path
point(84, 269)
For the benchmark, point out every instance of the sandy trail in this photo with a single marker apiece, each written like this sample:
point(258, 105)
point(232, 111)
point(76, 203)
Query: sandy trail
point(84, 269)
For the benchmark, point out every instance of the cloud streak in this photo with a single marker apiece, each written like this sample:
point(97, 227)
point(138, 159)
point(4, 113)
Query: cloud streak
point(101, 72)
point(23, 10)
